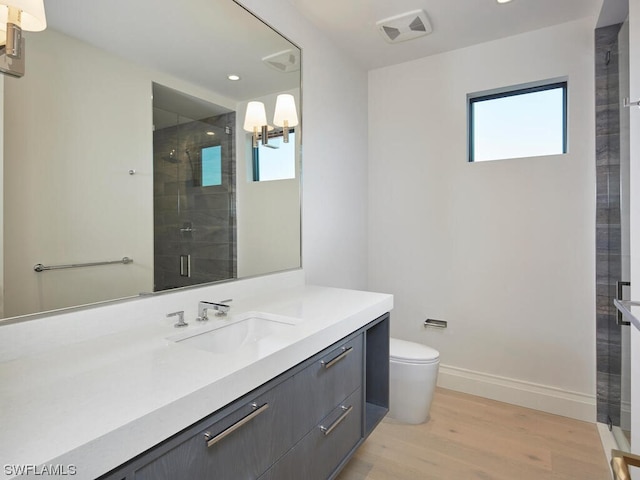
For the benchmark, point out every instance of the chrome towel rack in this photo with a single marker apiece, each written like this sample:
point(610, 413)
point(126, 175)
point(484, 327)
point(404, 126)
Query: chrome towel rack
point(41, 268)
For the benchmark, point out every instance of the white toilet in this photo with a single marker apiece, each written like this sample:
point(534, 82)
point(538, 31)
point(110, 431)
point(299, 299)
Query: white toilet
point(413, 372)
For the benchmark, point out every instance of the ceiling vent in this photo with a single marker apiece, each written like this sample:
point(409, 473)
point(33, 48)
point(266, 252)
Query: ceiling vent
point(404, 27)
point(285, 61)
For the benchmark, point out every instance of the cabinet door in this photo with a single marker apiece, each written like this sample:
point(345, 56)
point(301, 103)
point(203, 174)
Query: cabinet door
point(326, 382)
point(240, 446)
point(319, 454)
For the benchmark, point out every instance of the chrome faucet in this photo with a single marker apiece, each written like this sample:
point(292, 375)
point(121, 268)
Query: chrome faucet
point(221, 309)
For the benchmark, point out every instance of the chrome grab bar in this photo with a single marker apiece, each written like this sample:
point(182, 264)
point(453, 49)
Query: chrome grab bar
point(345, 411)
point(229, 430)
point(41, 268)
point(333, 361)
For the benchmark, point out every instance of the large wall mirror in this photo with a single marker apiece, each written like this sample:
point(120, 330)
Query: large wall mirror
point(125, 138)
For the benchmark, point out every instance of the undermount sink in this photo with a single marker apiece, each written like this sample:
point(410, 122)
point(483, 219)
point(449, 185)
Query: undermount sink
point(240, 331)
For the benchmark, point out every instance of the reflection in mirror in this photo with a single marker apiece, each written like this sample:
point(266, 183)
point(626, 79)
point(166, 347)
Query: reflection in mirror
point(193, 190)
point(87, 179)
point(276, 160)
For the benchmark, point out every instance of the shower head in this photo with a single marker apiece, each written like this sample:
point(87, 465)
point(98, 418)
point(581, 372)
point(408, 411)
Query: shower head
point(171, 158)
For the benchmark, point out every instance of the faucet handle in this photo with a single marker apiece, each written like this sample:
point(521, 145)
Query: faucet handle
point(222, 307)
point(180, 315)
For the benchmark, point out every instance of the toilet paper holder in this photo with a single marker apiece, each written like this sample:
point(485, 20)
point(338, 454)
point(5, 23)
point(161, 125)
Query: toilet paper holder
point(430, 322)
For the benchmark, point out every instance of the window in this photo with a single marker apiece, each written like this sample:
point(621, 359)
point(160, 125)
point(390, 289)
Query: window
point(276, 160)
point(212, 166)
point(523, 122)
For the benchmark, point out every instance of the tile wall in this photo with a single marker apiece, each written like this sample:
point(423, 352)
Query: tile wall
point(608, 237)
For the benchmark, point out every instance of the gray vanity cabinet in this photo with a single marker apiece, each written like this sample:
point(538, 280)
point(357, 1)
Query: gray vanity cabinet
point(304, 424)
point(325, 382)
point(243, 444)
point(326, 448)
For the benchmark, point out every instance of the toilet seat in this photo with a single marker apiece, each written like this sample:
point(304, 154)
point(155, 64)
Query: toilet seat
point(402, 351)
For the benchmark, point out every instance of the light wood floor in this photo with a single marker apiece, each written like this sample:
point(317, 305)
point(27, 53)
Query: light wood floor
point(470, 438)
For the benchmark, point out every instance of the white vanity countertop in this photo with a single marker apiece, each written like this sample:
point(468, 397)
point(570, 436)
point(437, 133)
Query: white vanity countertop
point(97, 403)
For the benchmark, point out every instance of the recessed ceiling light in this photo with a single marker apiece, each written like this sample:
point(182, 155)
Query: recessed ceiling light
point(210, 133)
point(503, 1)
point(234, 78)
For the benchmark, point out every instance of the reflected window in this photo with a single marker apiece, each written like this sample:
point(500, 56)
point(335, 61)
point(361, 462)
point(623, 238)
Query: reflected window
point(276, 160)
point(211, 166)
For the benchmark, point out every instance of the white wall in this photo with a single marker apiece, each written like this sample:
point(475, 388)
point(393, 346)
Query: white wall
point(334, 152)
point(71, 141)
point(504, 251)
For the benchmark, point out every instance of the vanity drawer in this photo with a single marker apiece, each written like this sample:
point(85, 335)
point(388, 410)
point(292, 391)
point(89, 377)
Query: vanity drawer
point(243, 444)
point(323, 450)
point(328, 380)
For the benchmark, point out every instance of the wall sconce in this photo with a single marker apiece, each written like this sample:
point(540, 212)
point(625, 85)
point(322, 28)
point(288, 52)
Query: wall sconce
point(285, 115)
point(18, 15)
point(256, 119)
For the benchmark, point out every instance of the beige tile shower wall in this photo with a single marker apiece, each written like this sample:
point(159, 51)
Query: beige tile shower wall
point(504, 250)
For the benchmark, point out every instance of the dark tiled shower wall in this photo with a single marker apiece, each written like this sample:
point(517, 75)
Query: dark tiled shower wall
point(180, 203)
point(608, 240)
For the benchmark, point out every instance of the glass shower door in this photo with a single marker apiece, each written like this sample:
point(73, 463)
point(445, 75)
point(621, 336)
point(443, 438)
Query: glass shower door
point(194, 199)
point(622, 431)
point(207, 202)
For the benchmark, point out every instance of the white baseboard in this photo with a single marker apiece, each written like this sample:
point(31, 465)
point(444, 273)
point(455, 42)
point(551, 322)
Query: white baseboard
point(517, 392)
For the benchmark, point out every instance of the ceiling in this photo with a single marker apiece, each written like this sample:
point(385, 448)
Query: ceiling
point(201, 42)
point(351, 24)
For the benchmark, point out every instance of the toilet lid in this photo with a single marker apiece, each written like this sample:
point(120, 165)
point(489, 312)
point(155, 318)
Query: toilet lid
point(412, 352)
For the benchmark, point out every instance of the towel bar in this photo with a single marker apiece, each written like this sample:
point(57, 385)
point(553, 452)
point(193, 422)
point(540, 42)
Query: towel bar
point(41, 268)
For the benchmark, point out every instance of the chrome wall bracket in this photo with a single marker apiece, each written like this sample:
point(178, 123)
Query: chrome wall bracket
point(10, 65)
point(627, 104)
point(619, 289)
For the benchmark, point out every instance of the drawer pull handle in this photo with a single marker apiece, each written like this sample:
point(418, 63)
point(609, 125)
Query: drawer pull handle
point(333, 361)
point(229, 430)
point(345, 413)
